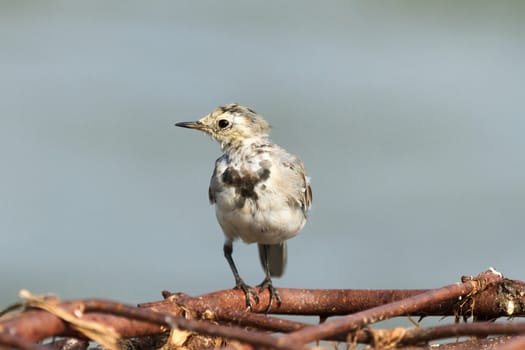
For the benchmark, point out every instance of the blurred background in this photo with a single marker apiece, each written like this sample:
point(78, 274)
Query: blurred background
point(407, 114)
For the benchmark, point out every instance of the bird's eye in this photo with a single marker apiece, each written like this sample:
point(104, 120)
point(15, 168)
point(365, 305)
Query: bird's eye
point(223, 123)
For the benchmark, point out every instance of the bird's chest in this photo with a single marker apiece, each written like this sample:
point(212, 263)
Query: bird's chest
point(250, 203)
point(240, 186)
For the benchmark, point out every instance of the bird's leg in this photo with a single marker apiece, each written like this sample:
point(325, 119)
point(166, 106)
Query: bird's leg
point(267, 282)
point(239, 283)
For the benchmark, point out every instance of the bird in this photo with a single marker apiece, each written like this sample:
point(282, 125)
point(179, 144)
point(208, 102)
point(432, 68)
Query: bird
point(260, 191)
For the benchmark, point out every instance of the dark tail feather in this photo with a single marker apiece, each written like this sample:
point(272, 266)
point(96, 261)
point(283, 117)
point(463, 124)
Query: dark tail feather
point(276, 256)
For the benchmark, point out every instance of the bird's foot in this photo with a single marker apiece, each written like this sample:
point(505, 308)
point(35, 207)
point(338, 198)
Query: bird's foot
point(249, 292)
point(274, 294)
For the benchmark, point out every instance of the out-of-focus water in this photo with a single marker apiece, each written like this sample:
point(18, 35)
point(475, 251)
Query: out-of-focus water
point(408, 116)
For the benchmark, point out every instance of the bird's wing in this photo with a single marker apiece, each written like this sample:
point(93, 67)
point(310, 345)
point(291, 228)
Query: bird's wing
point(296, 174)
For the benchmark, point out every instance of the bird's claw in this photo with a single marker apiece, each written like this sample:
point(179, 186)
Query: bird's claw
point(249, 292)
point(274, 294)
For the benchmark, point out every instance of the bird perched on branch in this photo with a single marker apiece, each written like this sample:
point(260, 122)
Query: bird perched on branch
point(261, 192)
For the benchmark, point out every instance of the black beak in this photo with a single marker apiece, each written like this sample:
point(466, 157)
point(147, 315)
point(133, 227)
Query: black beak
point(191, 125)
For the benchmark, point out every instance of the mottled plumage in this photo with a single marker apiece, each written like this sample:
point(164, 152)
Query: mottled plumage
point(260, 191)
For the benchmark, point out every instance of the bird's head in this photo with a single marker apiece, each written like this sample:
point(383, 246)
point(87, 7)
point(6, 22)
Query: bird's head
point(231, 125)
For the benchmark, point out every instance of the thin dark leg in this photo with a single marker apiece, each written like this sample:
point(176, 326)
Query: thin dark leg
point(267, 282)
point(239, 283)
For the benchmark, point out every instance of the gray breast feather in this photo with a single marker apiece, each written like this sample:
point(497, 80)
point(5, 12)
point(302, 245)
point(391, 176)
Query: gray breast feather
point(276, 171)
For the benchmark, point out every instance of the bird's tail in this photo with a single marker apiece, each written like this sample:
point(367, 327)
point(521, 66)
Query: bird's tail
point(276, 254)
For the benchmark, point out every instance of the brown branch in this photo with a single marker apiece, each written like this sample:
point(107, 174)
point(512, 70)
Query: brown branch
point(112, 313)
point(223, 314)
point(398, 308)
point(306, 302)
point(12, 341)
point(470, 344)
point(68, 344)
point(479, 329)
point(38, 324)
point(495, 301)
point(515, 344)
point(178, 322)
point(487, 296)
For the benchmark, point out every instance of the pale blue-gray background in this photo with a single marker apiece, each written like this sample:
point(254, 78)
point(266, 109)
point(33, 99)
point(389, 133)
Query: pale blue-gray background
point(408, 116)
